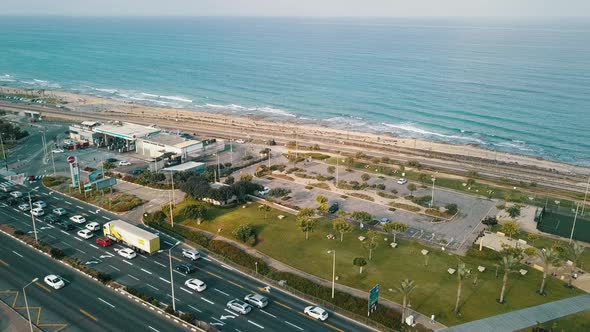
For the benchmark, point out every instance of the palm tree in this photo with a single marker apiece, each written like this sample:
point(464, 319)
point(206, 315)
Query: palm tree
point(575, 251)
point(306, 221)
point(508, 263)
point(406, 288)
point(371, 243)
point(549, 257)
point(462, 272)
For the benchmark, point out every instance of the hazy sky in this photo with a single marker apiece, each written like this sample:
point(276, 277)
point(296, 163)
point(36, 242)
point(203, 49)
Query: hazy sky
point(298, 7)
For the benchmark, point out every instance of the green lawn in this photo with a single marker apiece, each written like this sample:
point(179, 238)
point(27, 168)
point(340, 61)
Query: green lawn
point(572, 323)
point(436, 292)
point(546, 242)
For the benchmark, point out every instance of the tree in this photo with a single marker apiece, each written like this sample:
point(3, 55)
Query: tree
point(452, 208)
point(462, 272)
point(509, 264)
point(360, 262)
point(530, 251)
point(349, 161)
point(422, 177)
point(532, 237)
point(574, 253)
point(107, 165)
point(305, 221)
point(513, 211)
point(229, 180)
point(395, 228)
point(406, 288)
point(510, 228)
point(362, 216)
point(549, 257)
point(266, 209)
point(365, 177)
point(371, 242)
point(243, 232)
point(341, 226)
point(412, 188)
point(322, 203)
point(331, 169)
point(194, 211)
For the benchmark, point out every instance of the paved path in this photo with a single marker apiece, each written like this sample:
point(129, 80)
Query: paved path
point(523, 318)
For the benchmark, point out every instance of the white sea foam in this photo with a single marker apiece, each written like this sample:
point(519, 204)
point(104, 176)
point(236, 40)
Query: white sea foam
point(239, 108)
point(514, 144)
point(149, 95)
point(112, 91)
point(6, 78)
point(177, 98)
point(411, 128)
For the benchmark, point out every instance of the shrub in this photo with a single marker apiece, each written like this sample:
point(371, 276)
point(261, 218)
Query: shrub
point(187, 317)
point(362, 196)
point(142, 296)
point(279, 192)
point(452, 208)
point(423, 201)
point(170, 310)
point(381, 186)
point(57, 253)
point(19, 233)
point(404, 206)
point(490, 221)
point(243, 232)
point(157, 216)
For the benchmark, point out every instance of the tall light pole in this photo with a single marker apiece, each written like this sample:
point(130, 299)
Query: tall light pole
point(172, 275)
point(3, 152)
point(585, 195)
point(337, 163)
point(32, 217)
point(27, 303)
point(173, 198)
point(333, 269)
point(574, 225)
point(432, 201)
point(218, 168)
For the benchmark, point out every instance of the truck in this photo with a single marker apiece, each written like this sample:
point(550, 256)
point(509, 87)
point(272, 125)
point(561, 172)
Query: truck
point(133, 236)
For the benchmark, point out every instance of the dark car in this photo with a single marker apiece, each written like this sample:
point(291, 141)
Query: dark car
point(185, 268)
point(111, 160)
point(50, 219)
point(137, 171)
point(333, 208)
point(66, 225)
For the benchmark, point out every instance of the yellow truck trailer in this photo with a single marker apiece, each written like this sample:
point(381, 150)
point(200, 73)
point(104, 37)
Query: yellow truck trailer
point(133, 236)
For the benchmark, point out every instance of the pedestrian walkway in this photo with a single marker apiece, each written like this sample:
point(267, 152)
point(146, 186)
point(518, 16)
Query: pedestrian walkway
point(523, 318)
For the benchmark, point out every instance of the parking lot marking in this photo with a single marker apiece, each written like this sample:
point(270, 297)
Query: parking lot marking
point(251, 322)
point(235, 284)
point(17, 210)
point(114, 267)
point(16, 253)
point(295, 326)
point(208, 301)
point(190, 306)
point(268, 313)
point(105, 302)
point(186, 290)
point(93, 246)
point(129, 263)
point(164, 280)
point(159, 263)
point(88, 315)
point(4, 263)
point(153, 329)
point(152, 287)
point(130, 276)
point(105, 217)
point(333, 327)
point(42, 287)
point(219, 291)
point(283, 305)
point(146, 271)
point(93, 212)
point(215, 275)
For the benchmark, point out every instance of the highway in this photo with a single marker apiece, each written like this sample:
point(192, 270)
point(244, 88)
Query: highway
point(151, 275)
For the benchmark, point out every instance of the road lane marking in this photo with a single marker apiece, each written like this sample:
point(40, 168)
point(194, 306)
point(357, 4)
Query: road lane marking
point(283, 305)
point(234, 315)
point(207, 259)
point(82, 251)
point(91, 211)
point(4, 263)
point(152, 287)
point(235, 284)
point(168, 243)
point(16, 253)
point(130, 276)
point(146, 271)
point(219, 291)
point(208, 301)
point(79, 239)
point(105, 217)
point(160, 264)
point(268, 313)
point(66, 233)
point(164, 280)
point(182, 274)
point(227, 267)
point(295, 326)
point(43, 287)
point(114, 267)
point(175, 298)
point(215, 275)
point(67, 202)
point(333, 327)
point(105, 302)
point(190, 306)
point(186, 290)
point(51, 236)
point(93, 246)
point(79, 207)
point(142, 256)
point(46, 194)
point(215, 319)
point(251, 322)
point(128, 263)
point(153, 329)
point(17, 210)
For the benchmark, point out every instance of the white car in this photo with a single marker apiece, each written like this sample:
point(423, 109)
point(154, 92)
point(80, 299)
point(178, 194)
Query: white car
point(24, 207)
point(195, 284)
point(316, 312)
point(127, 253)
point(57, 150)
point(240, 141)
point(40, 204)
point(37, 212)
point(16, 194)
point(402, 181)
point(92, 226)
point(265, 191)
point(59, 211)
point(56, 282)
point(78, 219)
point(191, 254)
point(124, 163)
point(85, 233)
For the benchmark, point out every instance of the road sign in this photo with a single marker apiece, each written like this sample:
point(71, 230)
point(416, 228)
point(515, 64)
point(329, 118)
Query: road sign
point(373, 298)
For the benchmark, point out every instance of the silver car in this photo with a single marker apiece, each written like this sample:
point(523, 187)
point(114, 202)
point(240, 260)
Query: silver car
point(256, 300)
point(239, 306)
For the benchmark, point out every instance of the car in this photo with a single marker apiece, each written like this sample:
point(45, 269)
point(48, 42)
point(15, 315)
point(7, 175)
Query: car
point(264, 191)
point(185, 268)
point(93, 226)
point(111, 160)
point(402, 181)
point(239, 306)
point(124, 163)
point(256, 300)
point(37, 212)
point(31, 178)
point(384, 221)
point(333, 208)
point(54, 281)
point(78, 219)
point(24, 207)
point(50, 219)
point(40, 204)
point(85, 233)
point(240, 141)
point(66, 225)
point(191, 254)
point(59, 211)
point(195, 284)
point(16, 194)
point(137, 171)
point(57, 151)
point(104, 241)
point(316, 312)
point(127, 253)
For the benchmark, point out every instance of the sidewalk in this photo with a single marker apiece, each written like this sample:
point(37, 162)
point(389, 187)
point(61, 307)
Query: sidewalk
point(523, 318)
point(11, 321)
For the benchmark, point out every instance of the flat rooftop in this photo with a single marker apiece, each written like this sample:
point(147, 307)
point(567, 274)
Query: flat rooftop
point(129, 131)
point(171, 140)
point(184, 167)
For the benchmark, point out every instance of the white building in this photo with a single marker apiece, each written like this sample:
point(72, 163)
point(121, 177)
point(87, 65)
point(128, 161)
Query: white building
point(154, 146)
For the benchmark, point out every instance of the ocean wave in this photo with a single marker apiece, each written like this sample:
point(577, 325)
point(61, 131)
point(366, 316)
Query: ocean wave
point(7, 78)
point(42, 83)
point(264, 109)
point(515, 145)
point(177, 98)
point(412, 129)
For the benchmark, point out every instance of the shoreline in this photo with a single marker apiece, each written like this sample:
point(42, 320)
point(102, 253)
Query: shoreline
point(246, 124)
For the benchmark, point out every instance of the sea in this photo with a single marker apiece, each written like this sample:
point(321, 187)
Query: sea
point(513, 85)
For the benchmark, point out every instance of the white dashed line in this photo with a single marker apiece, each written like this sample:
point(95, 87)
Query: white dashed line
point(82, 251)
point(251, 322)
point(93, 246)
point(190, 306)
point(164, 280)
point(66, 233)
point(208, 301)
point(224, 293)
point(105, 217)
point(79, 207)
point(268, 313)
point(207, 259)
point(114, 267)
point(295, 326)
point(130, 276)
point(79, 239)
point(105, 302)
point(168, 243)
point(46, 194)
point(175, 298)
point(16, 253)
point(227, 267)
point(146, 271)
point(153, 329)
point(93, 212)
point(152, 287)
point(160, 264)
point(67, 202)
point(186, 290)
point(127, 262)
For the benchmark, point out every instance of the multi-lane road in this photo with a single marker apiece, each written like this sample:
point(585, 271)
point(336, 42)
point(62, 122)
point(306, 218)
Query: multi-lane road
point(151, 275)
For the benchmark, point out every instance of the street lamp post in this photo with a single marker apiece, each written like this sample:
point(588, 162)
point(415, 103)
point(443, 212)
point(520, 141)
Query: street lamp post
point(256, 264)
point(333, 252)
point(172, 275)
point(32, 217)
point(585, 195)
point(27, 303)
point(574, 225)
point(432, 201)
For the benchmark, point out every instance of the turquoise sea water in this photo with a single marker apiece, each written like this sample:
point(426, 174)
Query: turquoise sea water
point(510, 85)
